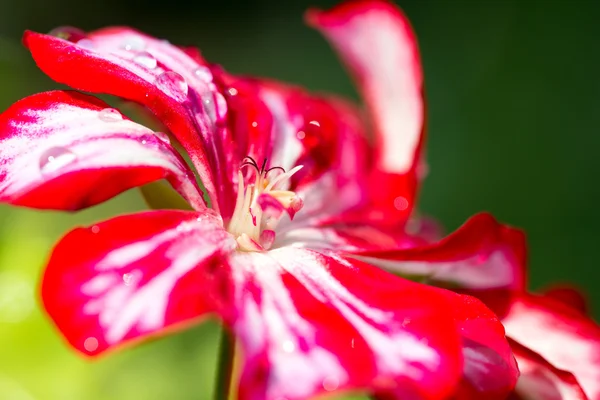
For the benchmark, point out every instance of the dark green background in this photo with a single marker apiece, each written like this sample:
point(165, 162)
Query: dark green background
point(513, 120)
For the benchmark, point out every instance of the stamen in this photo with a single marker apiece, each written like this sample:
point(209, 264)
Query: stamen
point(283, 176)
point(253, 230)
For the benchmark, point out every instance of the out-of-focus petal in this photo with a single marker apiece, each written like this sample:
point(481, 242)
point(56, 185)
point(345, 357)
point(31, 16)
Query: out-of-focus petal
point(570, 296)
point(481, 254)
point(541, 380)
point(375, 41)
point(176, 86)
point(310, 323)
point(65, 150)
point(134, 276)
point(560, 334)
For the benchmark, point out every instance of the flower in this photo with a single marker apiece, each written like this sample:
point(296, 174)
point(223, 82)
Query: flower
point(297, 196)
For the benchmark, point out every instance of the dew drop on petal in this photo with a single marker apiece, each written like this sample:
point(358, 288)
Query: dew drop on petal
point(163, 137)
point(221, 106)
point(95, 229)
point(173, 85)
point(134, 43)
point(55, 158)
point(144, 141)
point(288, 346)
point(67, 33)
point(110, 115)
point(331, 383)
point(352, 343)
point(315, 123)
point(86, 44)
point(300, 135)
point(232, 91)
point(145, 59)
point(90, 344)
point(254, 124)
point(128, 279)
point(400, 203)
point(203, 73)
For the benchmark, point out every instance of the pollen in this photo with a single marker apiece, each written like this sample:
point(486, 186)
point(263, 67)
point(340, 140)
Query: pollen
point(260, 205)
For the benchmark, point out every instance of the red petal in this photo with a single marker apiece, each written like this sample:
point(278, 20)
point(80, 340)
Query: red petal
point(570, 296)
point(310, 323)
point(290, 127)
point(563, 336)
point(482, 254)
point(377, 44)
point(541, 380)
point(171, 83)
point(138, 275)
point(66, 150)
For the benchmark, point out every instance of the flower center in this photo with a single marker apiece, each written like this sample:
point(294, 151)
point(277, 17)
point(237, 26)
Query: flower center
point(260, 206)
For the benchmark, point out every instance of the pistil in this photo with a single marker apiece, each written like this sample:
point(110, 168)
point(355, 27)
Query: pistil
point(260, 206)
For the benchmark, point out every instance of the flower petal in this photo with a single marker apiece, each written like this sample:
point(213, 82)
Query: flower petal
point(139, 275)
point(323, 134)
point(65, 150)
point(174, 85)
point(563, 336)
point(570, 296)
point(541, 380)
point(310, 323)
point(482, 254)
point(377, 44)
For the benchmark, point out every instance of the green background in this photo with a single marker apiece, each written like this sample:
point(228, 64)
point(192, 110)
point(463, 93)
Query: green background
point(514, 105)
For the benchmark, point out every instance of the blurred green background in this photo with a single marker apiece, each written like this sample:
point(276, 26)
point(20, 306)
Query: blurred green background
point(514, 116)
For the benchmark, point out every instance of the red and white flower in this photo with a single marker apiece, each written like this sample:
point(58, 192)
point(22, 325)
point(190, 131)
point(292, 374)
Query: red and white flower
point(298, 198)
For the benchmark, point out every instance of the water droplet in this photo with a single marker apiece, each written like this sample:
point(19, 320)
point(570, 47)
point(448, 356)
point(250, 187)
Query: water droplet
point(400, 203)
point(203, 73)
point(144, 141)
point(254, 124)
point(55, 158)
point(331, 383)
point(128, 279)
point(145, 59)
point(221, 106)
point(300, 135)
point(173, 85)
point(86, 44)
point(95, 229)
point(315, 123)
point(110, 115)
point(352, 343)
point(68, 33)
point(90, 344)
point(163, 137)
point(134, 43)
point(232, 91)
point(288, 346)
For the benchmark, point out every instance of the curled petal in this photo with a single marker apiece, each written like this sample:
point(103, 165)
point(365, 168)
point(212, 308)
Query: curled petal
point(560, 334)
point(65, 150)
point(481, 254)
point(138, 275)
point(174, 85)
point(541, 380)
point(570, 296)
point(377, 44)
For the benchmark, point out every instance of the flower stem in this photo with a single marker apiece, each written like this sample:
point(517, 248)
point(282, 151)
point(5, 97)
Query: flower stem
point(224, 366)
